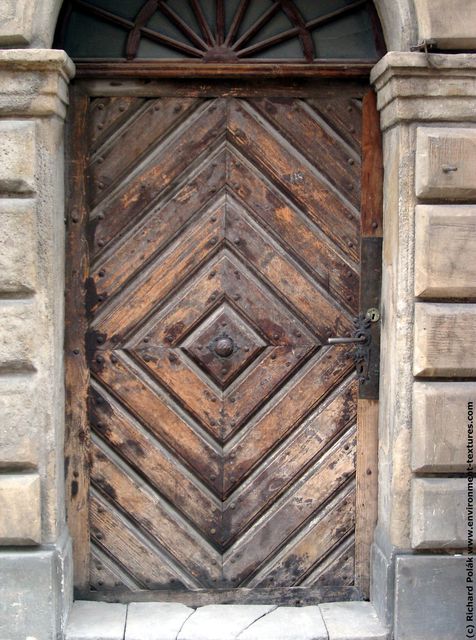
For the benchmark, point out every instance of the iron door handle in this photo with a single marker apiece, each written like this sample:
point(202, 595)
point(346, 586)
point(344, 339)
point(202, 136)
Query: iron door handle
point(359, 339)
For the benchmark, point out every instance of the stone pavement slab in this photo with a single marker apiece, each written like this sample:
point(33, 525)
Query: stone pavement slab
point(96, 621)
point(288, 623)
point(155, 620)
point(352, 621)
point(222, 621)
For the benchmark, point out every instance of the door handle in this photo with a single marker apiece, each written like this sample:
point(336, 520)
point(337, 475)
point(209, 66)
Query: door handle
point(362, 338)
point(359, 339)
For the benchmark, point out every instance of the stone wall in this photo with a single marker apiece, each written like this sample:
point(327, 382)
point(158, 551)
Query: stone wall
point(428, 114)
point(34, 544)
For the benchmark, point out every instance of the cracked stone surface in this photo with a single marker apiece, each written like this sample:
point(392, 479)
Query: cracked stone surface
point(288, 623)
point(156, 620)
point(174, 621)
point(222, 621)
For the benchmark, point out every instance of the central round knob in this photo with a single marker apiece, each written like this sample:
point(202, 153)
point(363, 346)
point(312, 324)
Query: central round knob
point(224, 347)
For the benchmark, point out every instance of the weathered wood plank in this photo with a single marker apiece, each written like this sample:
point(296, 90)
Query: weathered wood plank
point(161, 278)
point(294, 176)
point(106, 115)
point(294, 120)
point(289, 281)
point(343, 116)
point(158, 228)
point(278, 472)
point(127, 148)
point(152, 517)
point(158, 466)
point(291, 405)
point(76, 366)
point(366, 489)
point(337, 570)
point(157, 415)
point(192, 70)
point(140, 190)
point(333, 272)
point(146, 563)
point(187, 385)
point(302, 502)
point(371, 207)
point(318, 537)
point(286, 596)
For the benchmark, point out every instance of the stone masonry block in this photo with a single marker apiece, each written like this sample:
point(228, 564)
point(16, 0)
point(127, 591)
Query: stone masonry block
point(17, 331)
point(32, 594)
point(446, 163)
point(17, 246)
point(17, 156)
point(445, 340)
point(96, 621)
point(20, 510)
point(445, 250)
point(451, 24)
point(221, 621)
point(430, 598)
point(19, 422)
point(288, 623)
point(352, 621)
point(438, 513)
point(155, 620)
point(16, 22)
point(440, 426)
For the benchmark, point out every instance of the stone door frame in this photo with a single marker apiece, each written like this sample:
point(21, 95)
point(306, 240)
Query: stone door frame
point(423, 99)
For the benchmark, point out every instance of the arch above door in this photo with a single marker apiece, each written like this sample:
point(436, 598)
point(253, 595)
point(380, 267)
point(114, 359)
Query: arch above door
point(212, 32)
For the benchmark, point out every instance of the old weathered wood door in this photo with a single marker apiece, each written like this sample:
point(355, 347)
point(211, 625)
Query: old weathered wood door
point(223, 249)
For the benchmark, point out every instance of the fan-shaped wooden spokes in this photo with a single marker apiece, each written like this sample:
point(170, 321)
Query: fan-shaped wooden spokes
point(217, 42)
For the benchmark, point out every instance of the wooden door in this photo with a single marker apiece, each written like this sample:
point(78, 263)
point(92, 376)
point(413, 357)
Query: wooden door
point(220, 436)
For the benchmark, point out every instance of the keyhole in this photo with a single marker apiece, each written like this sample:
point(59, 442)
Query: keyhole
point(373, 314)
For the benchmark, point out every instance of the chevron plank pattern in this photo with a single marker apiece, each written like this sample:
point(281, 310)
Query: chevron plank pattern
point(224, 242)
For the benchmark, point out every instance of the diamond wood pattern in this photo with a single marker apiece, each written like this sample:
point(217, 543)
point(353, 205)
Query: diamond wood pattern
point(224, 240)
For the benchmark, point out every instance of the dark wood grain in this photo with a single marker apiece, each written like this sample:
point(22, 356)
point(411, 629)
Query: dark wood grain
point(189, 69)
point(287, 596)
point(210, 472)
point(370, 294)
point(372, 169)
point(77, 437)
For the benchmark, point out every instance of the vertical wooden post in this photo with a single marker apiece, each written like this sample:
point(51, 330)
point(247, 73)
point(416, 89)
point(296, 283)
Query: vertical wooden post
point(76, 367)
point(367, 407)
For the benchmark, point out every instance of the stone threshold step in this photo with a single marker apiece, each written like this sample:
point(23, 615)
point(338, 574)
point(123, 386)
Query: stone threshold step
point(172, 621)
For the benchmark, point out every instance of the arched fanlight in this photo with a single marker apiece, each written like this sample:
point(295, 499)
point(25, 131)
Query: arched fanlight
point(217, 31)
